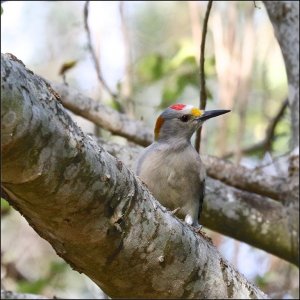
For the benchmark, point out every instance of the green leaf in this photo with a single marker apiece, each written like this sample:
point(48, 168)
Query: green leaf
point(152, 67)
point(32, 287)
point(4, 203)
point(5, 207)
point(66, 66)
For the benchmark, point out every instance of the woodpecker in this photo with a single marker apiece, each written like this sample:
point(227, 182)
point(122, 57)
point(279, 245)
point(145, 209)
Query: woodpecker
point(171, 167)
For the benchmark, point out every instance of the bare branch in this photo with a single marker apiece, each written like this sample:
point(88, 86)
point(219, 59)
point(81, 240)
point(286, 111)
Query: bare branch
point(203, 96)
point(254, 181)
point(105, 117)
point(95, 60)
point(254, 2)
point(270, 132)
point(266, 143)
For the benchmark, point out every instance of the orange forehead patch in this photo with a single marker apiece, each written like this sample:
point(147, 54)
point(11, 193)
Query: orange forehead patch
point(159, 123)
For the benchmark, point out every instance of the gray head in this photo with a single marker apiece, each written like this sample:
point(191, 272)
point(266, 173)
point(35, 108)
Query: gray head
point(180, 121)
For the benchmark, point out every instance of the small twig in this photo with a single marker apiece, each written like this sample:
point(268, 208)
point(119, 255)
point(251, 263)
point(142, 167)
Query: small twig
point(64, 79)
point(256, 5)
point(95, 60)
point(270, 132)
point(266, 143)
point(203, 95)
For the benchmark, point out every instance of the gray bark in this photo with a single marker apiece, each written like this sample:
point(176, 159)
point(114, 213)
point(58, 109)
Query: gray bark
point(284, 16)
point(93, 211)
point(251, 180)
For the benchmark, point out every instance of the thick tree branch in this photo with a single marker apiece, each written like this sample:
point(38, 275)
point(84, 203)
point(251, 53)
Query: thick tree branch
point(254, 219)
point(94, 212)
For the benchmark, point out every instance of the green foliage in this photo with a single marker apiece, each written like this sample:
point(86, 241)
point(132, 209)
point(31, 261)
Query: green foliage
point(4, 204)
point(5, 207)
point(34, 287)
point(176, 72)
point(265, 280)
point(152, 67)
point(66, 66)
point(57, 270)
point(176, 85)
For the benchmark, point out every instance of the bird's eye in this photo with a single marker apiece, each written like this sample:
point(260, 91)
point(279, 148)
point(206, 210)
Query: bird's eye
point(184, 118)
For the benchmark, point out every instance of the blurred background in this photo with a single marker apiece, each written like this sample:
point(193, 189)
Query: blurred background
point(148, 53)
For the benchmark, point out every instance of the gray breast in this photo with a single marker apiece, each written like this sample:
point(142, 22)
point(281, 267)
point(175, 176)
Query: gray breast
point(174, 177)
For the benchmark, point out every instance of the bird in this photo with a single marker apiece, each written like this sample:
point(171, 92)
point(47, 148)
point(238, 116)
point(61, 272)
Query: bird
point(171, 167)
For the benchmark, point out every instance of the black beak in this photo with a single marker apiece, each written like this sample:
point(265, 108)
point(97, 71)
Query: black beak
point(212, 113)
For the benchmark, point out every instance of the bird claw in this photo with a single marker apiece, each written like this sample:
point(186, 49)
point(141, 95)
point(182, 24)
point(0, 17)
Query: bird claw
point(198, 229)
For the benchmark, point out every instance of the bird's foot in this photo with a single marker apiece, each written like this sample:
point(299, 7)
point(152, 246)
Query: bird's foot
point(198, 229)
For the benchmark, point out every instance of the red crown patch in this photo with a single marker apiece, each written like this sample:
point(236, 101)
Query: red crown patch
point(178, 106)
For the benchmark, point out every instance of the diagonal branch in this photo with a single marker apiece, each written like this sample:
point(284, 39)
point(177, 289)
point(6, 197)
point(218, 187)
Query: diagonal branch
point(270, 132)
point(95, 213)
point(107, 118)
point(203, 95)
